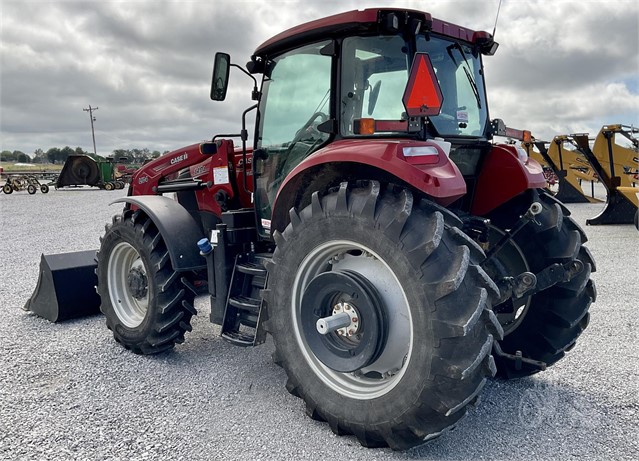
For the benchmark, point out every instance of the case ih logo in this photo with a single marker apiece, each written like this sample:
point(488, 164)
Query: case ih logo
point(240, 163)
point(143, 179)
point(179, 159)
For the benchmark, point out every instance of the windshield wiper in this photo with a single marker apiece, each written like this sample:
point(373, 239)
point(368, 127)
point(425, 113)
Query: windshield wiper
point(469, 76)
point(473, 86)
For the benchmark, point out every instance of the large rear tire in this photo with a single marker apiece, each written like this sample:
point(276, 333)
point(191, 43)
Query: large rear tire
point(546, 325)
point(147, 306)
point(418, 347)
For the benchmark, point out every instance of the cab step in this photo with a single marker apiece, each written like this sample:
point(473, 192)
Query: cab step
point(241, 325)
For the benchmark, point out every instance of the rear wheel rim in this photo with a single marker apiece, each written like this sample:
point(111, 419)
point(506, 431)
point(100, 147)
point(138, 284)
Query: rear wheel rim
point(130, 305)
point(381, 376)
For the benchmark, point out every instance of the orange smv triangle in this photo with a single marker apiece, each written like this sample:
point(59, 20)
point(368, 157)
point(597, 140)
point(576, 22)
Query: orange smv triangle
point(423, 95)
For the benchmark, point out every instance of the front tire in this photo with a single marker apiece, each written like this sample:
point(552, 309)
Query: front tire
point(7, 189)
point(147, 306)
point(419, 350)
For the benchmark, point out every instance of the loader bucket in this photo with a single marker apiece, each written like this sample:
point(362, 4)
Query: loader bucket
point(66, 287)
point(79, 170)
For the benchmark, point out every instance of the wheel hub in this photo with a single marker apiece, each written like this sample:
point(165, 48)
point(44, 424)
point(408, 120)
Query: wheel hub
point(138, 283)
point(353, 316)
point(343, 320)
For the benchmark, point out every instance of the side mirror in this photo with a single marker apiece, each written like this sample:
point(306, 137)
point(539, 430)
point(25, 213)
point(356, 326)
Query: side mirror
point(220, 82)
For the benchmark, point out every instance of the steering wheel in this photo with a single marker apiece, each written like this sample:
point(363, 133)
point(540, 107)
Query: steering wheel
point(306, 128)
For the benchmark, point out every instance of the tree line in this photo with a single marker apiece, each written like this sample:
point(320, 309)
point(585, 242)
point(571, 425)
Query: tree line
point(60, 155)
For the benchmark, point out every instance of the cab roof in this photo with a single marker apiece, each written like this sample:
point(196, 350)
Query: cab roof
point(371, 20)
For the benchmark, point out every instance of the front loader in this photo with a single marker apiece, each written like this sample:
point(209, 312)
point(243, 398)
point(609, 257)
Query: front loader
point(396, 254)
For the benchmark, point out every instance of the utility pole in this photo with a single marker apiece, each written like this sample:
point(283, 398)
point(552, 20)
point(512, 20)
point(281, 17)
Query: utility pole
point(90, 111)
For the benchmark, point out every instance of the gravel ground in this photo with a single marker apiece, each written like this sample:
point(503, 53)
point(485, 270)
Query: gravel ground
point(68, 391)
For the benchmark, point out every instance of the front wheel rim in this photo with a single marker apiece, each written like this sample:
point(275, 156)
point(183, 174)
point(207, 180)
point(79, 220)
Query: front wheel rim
point(131, 308)
point(381, 376)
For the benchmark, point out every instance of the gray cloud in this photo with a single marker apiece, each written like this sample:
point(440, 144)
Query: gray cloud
point(561, 66)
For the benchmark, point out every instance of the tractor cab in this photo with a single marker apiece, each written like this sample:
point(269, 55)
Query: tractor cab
point(363, 75)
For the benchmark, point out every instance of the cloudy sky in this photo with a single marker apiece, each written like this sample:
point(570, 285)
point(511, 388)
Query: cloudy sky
point(562, 67)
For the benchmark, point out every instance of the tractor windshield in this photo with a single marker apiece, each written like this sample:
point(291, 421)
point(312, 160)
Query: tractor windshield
point(375, 72)
point(458, 70)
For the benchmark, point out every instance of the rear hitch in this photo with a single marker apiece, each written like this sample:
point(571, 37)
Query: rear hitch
point(534, 210)
point(515, 287)
point(519, 359)
point(552, 275)
point(528, 284)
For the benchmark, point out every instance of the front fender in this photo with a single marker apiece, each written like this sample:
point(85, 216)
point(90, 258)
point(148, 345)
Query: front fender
point(177, 227)
point(503, 176)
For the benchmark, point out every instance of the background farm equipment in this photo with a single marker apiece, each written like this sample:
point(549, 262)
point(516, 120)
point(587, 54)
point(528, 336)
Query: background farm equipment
point(617, 167)
point(396, 254)
point(575, 158)
point(569, 168)
point(124, 172)
point(17, 182)
point(82, 170)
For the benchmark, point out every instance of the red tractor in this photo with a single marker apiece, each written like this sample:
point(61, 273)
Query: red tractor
point(397, 256)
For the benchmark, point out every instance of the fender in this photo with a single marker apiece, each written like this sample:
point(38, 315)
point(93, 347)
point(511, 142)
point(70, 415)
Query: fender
point(435, 175)
point(177, 227)
point(503, 176)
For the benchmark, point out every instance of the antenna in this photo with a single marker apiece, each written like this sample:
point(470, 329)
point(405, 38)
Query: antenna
point(496, 17)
